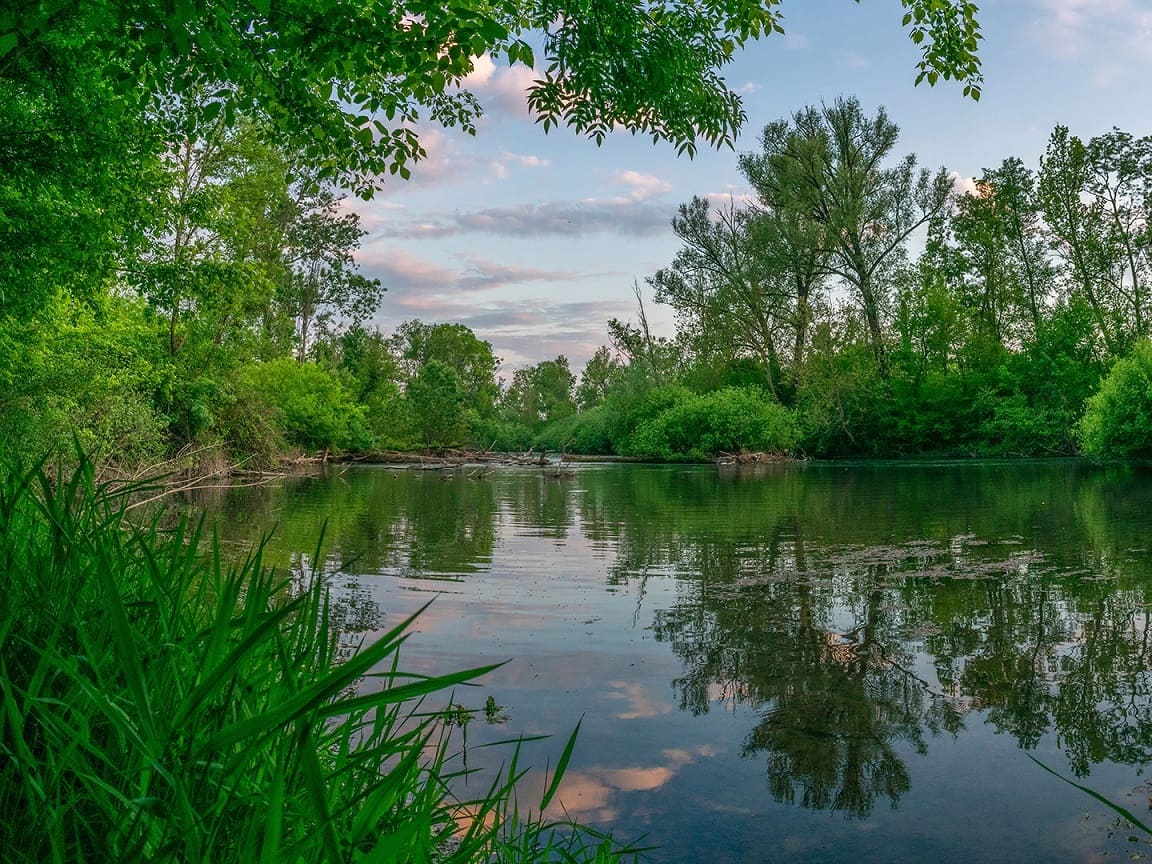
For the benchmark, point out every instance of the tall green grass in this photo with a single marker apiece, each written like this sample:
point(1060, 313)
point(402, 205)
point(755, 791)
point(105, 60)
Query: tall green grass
point(163, 705)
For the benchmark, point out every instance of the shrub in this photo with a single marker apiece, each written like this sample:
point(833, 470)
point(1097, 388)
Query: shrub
point(317, 412)
point(629, 409)
point(585, 433)
point(1118, 419)
point(726, 421)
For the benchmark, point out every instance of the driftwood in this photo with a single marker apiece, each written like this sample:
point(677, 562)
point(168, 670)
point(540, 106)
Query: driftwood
point(452, 457)
point(744, 458)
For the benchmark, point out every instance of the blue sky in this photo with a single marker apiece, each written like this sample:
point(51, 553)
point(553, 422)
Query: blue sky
point(533, 240)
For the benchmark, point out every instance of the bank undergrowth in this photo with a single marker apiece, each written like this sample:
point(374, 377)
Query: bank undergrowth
point(162, 705)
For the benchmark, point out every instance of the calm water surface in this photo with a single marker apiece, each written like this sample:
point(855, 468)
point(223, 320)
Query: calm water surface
point(797, 664)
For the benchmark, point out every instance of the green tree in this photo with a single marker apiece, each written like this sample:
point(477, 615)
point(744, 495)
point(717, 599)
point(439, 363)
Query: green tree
point(416, 344)
point(600, 373)
point(437, 404)
point(726, 291)
point(324, 283)
point(1095, 202)
point(541, 394)
point(828, 163)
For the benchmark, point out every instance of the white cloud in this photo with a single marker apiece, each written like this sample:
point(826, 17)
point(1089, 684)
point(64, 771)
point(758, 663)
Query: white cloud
point(500, 89)
point(500, 166)
point(642, 186)
point(1106, 30)
point(963, 185)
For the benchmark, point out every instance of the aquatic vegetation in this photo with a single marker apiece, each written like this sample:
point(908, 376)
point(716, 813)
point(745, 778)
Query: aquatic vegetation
point(163, 705)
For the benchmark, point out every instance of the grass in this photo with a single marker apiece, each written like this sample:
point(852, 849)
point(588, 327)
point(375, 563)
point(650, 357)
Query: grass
point(162, 705)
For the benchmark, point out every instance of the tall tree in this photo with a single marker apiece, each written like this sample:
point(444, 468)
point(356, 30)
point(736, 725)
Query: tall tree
point(600, 373)
point(1090, 199)
point(417, 344)
point(829, 163)
point(324, 283)
point(724, 292)
point(541, 393)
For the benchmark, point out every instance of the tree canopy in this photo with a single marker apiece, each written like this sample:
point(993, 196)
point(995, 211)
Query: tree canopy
point(345, 82)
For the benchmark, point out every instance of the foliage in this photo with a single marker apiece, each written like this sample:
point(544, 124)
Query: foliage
point(437, 403)
point(540, 394)
point(346, 85)
point(416, 344)
point(76, 374)
point(1117, 421)
point(827, 164)
point(164, 706)
point(586, 433)
point(600, 374)
point(726, 421)
point(318, 412)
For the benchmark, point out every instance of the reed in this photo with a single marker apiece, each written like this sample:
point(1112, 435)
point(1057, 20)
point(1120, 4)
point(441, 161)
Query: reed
point(162, 704)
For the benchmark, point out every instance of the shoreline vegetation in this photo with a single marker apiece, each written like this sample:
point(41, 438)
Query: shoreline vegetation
point(833, 314)
point(161, 704)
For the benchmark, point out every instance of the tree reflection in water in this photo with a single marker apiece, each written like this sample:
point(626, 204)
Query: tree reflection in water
point(856, 613)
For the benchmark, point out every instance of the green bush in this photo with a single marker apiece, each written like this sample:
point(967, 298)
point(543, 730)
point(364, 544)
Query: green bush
point(317, 412)
point(635, 404)
point(499, 434)
point(75, 373)
point(585, 433)
point(1118, 419)
point(164, 707)
point(726, 421)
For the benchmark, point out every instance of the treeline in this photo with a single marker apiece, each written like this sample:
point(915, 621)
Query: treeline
point(205, 292)
point(892, 313)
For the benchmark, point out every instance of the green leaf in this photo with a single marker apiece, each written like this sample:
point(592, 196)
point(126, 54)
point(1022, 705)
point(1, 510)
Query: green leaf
point(561, 767)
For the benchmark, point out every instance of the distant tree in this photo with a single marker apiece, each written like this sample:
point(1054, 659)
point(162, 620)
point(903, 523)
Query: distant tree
point(324, 282)
point(828, 163)
point(437, 403)
point(541, 393)
point(742, 282)
point(1095, 198)
point(600, 373)
point(416, 344)
point(999, 254)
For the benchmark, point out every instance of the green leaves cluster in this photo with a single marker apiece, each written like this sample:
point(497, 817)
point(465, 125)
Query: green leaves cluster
point(1117, 421)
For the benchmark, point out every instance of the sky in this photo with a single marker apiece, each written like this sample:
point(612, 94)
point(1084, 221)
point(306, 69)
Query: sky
point(534, 240)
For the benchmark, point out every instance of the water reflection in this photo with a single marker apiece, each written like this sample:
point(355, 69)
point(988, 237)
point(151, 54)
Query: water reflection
point(858, 617)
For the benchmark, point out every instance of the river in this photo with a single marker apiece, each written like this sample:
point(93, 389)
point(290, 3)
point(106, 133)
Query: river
point(792, 663)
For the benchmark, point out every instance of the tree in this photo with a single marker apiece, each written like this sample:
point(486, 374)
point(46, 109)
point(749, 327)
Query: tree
point(1000, 235)
point(324, 283)
point(1095, 201)
point(723, 292)
point(600, 372)
point(437, 402)
point(417, 344)
point(542, 393)
point(827, 163)
point(347, 82)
